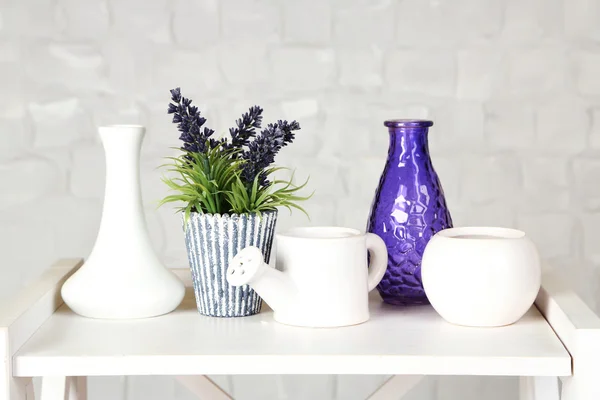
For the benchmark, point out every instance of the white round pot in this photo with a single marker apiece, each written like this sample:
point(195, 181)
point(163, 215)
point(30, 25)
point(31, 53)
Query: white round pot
point(481, 276)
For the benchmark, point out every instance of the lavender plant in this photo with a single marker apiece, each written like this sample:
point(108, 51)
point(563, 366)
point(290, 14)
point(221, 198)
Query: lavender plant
point(230, 175)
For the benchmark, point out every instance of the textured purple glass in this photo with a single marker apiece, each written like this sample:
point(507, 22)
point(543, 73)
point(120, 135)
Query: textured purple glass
point(408, 209)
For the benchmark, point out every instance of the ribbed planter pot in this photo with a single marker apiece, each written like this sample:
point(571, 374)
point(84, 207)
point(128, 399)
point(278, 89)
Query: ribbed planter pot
point(212, 240)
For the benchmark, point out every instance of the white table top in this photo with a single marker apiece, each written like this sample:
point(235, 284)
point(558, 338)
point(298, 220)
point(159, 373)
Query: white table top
point(397, 340)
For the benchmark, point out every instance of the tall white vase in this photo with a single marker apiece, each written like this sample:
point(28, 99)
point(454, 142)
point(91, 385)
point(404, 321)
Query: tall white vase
point(123, 277)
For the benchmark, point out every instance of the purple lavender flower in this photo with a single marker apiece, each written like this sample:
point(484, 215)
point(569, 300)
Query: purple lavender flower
point(245, 127)
point(189, 123)
point(258, 153)
point(263, 149)
point(176, 95)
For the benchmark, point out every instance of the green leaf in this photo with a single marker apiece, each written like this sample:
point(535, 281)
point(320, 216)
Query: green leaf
point(211, 182)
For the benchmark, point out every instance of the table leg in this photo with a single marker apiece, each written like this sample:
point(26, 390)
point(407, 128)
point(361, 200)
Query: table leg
point(203, 387)
point(538, 388)
point(526, 388)
point(82, 387)
point(396, 387)
point(584, 383)
point(29, 391)
point(76, 388)
point(581, 388)
point(14, 388)
point(54, 387)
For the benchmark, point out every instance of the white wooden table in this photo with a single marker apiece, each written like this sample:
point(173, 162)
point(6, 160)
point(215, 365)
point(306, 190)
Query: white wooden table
point(41, 337)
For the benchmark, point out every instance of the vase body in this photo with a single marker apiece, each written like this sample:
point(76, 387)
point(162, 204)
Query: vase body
point(123, 277)
point(503, 266)
point(212, 240)
point(408, 209)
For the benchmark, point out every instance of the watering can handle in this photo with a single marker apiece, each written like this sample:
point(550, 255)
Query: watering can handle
point(379, 259)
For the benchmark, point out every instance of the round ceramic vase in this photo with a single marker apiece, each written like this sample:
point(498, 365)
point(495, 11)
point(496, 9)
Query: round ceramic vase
point(212, 240)
point(481, 276)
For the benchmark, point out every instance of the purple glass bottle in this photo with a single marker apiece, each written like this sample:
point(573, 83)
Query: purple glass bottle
point(408, 209)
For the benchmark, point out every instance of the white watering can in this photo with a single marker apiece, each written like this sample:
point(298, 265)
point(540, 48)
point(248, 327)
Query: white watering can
point(322, 278)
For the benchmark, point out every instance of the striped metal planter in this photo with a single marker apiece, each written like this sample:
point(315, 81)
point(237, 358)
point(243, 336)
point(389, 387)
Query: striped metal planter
point(212, 240)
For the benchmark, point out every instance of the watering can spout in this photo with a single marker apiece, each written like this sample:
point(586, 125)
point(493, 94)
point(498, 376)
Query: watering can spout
point(248, 267)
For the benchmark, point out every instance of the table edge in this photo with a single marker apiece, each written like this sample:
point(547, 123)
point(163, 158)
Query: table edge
point(575, 324)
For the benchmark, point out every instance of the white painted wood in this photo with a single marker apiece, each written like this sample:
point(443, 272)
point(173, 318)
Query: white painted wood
point(30, 391)
point(14, 389)
point(30, 309)
point(222, 381)
point(333, 387)
point(584, 384)
point(230, 382)
point(82, 387)
point(578, 327)
point(19, 389)
point(71, 389)
point(396, 387)
point(76, 388)
point(526, 388)
point(422, 343)
point(427, 390)
point(21, 316)
point(358, 387)
point(279, 385)
point(538, 388)
point(564, 310)
point(203, 387)
point(54, 388)
point(546, 388)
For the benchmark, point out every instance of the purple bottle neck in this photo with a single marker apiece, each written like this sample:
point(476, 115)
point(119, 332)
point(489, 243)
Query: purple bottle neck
point(408, 138)
point(408, 123)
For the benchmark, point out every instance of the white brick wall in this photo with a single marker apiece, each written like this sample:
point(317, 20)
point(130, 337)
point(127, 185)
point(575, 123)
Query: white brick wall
point(512, 85)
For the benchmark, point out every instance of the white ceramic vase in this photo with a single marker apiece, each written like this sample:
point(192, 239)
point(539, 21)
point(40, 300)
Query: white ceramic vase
point(123, 277)
point(480, 276)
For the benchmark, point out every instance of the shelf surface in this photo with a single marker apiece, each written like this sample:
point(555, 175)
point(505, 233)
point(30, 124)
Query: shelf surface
point(396, 340)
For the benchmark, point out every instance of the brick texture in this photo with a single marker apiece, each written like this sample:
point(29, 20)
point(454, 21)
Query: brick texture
point(513, 87)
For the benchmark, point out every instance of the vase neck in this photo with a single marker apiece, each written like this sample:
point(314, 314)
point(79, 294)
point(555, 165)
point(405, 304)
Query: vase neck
point(122, 145)
point(409, 142)
point(123, 208)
